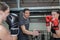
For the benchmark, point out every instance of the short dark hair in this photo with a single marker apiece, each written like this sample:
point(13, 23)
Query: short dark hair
point(3, 6)
point(25, 10)
point(59, 14)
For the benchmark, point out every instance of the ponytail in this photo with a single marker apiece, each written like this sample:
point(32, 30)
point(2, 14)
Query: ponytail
point(59, 17)
point(59, 14)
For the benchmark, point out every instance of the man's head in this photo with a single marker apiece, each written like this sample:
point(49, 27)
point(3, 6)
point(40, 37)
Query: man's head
point(4, 10)
point(26, 13)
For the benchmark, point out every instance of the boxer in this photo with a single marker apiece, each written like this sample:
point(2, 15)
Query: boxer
point(53, 25)
point(4, 12)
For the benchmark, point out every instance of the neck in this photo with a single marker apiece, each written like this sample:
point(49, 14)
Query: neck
point(57, 17)
point(24, 17)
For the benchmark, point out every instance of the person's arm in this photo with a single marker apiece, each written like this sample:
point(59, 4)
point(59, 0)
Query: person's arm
point(48, 23)
point(4, 34)
point(49, 28)
point(25, 31)
point(56, 26)
point(58, 31)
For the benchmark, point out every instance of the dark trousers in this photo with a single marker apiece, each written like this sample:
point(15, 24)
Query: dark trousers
point(23, 38)
point(54, 38)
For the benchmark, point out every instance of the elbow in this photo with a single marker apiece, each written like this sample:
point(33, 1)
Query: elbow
point(24, 32)
point(27, 32)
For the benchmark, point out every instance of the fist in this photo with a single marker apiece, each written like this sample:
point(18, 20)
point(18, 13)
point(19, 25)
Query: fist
point(35, 33)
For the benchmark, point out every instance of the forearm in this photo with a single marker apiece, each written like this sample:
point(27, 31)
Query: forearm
point(25, 31)
point(49, 28)
point(58, 33)
point(28, 32)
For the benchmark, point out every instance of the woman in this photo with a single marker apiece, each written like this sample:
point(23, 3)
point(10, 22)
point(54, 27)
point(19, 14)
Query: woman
point(55, 32)
point(4, 12)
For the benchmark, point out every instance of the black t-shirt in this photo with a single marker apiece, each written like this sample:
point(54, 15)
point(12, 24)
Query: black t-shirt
point(25, 22)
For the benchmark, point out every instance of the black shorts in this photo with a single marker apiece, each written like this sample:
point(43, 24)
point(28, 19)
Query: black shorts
point(54, 38)
point(23, 38)
point(14, 31)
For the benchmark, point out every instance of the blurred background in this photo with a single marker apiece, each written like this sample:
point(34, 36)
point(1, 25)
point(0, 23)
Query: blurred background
point(38, 10)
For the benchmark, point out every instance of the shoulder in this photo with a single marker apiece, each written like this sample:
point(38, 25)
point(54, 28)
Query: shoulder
point(22, 19)
point(3, 29)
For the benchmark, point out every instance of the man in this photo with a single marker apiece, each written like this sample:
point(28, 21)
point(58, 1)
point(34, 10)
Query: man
point(24, 26)
point(4, 12)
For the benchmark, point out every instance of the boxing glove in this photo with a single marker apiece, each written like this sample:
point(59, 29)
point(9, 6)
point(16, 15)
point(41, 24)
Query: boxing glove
point(55, 23)
point(48, 20)
point(12, 21)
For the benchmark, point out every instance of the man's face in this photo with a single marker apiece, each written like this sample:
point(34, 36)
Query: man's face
point(7, 12)
point(27, 14)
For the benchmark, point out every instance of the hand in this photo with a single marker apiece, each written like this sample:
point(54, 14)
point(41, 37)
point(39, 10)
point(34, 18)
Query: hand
point(48, 20)
point(35, 33)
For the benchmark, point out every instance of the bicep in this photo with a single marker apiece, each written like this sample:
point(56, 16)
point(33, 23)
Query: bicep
point(23, 28)
point(25, 31)
point(22, 25)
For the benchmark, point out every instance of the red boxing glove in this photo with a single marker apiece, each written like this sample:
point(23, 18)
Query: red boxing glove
point(55, 23)
point(48, 20)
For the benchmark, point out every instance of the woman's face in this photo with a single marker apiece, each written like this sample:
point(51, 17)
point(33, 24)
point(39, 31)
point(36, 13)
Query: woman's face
point(6, 13)
point(55, 14)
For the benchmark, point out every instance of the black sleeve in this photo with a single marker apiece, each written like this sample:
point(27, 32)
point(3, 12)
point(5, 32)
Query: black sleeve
point(21, 22)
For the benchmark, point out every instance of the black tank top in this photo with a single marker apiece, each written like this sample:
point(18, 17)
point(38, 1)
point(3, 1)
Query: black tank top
point(53, 31)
